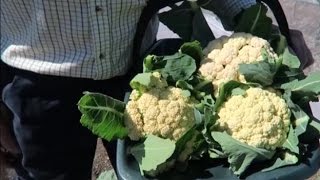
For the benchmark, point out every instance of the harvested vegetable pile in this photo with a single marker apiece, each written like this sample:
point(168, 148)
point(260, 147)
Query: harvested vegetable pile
point(242, 98)
point(163, 114)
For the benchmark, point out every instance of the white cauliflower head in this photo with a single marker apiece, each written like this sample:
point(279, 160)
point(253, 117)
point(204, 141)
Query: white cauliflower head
point(162, 111)
point(223, 56)
point(260, 118)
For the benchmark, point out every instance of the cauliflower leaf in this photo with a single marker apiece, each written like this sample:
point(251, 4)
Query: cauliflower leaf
point(278, 43)
point(255, 21)
point(292, 141)
point(301, 119)
point(181, 68)
point(108, 175)
point(227, 90)
point(193, 49)
point(200, 88)
point(260, 72)
point(311, 84)
point(173, 68)
point(238, 91)
point(304, 89)
point(240, 155)
point(313, 132)
point(180, 144)
point(290, 60)
point(141, 82)
point(188, 22)
point(285, 159)
point(103, 115)
point(153, 152)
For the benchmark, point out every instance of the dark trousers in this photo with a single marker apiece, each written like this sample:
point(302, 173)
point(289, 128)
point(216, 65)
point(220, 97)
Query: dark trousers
point(46, 123)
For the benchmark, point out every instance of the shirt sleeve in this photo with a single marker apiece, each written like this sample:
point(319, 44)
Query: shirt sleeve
point(227, 10)
point(234, 7)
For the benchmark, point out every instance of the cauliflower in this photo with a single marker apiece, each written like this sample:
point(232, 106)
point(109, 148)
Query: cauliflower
point(162, 110)
point(260, 118)
point(223, 56)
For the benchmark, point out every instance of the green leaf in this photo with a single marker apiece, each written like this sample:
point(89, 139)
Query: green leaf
point(202, 87)
point(141, 82)
point(254, 20)
point(186, 93)
point(188, 22)
point(286, 74)
point(226, 91)
point(290, 60)
point(198, 116)
point(193, 49)
point(216, 154)
point(312, 134)
point(184, 85)
point(292, 141)
point(108, 175)
point(240, 155)
point(278, 43)
point(209, 116)
point(238, 91)
point(153, 152)
point(181, 143)
point(301, 122)
point(200, 147)
point(103, 115)
point(153, 62)
point(260, 72)
point(181, 68)
point(287, 159)
point(209, 122)
point(311, 84)
point(208, 101)
point(301, 119)
point(173, 68)
point(148, 62)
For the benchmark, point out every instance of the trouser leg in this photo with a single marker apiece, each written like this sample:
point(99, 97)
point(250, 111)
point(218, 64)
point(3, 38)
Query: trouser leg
point(46, 123)
point(53, 143)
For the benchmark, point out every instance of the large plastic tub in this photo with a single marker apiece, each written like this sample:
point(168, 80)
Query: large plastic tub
point(128, 169)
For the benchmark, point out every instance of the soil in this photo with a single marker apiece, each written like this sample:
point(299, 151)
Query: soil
point(101, 161)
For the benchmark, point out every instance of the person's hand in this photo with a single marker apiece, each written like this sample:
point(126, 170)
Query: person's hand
point(300, 48)
point(9, 150)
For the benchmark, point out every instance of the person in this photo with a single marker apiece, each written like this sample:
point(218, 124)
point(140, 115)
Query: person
point(56, 50)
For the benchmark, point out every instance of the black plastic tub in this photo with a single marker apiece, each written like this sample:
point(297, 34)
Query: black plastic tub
point(128, 168)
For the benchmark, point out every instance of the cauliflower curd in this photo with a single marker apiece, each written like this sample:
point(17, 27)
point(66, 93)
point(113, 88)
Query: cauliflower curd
point(223, 56)
point(260, 118)
point(162, 111)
